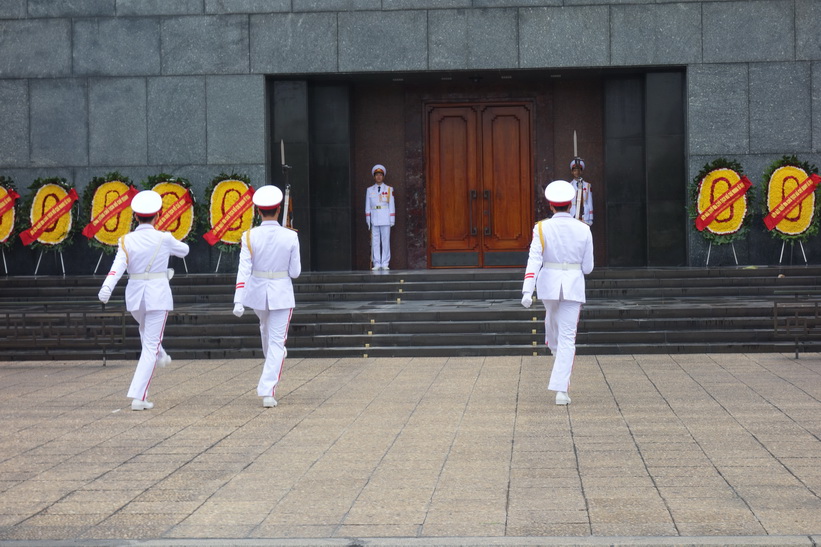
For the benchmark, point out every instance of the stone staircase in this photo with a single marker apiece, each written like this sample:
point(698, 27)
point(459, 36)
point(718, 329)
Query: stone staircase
point(426, 313)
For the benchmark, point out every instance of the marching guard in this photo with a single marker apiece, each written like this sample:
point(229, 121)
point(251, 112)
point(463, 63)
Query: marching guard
point(144, 253)
point(268, 260)
point(561, 254)
point(380, 215)
point(582, 204)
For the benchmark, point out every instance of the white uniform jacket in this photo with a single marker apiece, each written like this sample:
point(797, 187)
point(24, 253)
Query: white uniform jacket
point(135, 252)
point(558, 268)
point(379, 206)
point(587, 201)
point(268, 260)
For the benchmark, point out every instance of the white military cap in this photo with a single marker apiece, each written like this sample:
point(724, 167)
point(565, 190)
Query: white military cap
point(559, 192)
point(577, 162)
point(267, 197)
point(146, 203)
point(378, 167)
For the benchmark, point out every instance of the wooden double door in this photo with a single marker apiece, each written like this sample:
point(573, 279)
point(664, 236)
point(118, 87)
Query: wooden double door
point(479, 184)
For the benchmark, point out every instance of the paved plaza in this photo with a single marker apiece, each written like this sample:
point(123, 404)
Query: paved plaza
point(654, 450)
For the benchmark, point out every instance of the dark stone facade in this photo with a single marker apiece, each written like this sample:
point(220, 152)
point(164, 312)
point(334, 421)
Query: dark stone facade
point(188, 87)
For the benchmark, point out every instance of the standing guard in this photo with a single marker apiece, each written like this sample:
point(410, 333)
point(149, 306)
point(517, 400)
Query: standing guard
point(582, 206)
point(145, 253)
point(380, 214)
point(268, 260)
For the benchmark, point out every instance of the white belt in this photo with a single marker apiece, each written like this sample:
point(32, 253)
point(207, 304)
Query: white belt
point(379, 207)
point(562, 266)
point(269, 275)
point(146, 276)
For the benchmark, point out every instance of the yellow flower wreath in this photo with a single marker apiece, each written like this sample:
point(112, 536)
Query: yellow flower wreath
point(713, 185)
point(225, 194)
point(45, 198)
point(117, 226)
point(171, 192)
point(7, 220)
point(782, 182)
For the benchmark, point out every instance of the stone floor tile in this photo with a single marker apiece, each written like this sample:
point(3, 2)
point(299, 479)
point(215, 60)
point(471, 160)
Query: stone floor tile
point(42, 533)
point(293, 531)
point(162, 495)
point(547, 529)
point(709, 528)
point(706, 493)
point(548, 516)
point(183, 508)
point(607, 492)
point(790, 521)
point(633, 528)
point(376, 530)
point(197, 531)
point(393, 514)
point(296, 516)
point(208, 518)
point(458, 528)
point(56, 520)
point(547, 498)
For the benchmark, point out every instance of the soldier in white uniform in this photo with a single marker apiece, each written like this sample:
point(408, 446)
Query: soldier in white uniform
point(582, 205)
point(561, 254)
point(144, 253)
point(268, 260)
point(380, 214)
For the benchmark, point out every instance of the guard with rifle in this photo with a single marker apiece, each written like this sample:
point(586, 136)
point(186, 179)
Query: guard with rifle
point(582, 206)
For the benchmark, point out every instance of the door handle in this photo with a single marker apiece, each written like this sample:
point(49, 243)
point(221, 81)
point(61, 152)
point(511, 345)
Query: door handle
point(473, 196)
point(488, 219)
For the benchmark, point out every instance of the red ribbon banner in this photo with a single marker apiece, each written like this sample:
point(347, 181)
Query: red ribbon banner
point(174, 211)
point(725, 200)
point(8, 202)
point(110, 211)
point(791, 201)
point(230, 216)
point(49, 218)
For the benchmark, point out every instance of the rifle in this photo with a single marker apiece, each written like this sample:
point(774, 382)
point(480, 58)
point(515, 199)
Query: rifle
point(579, 200)
point(287, 209)
point(287, 204)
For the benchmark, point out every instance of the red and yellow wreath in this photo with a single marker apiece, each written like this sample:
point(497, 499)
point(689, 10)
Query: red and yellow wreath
point(106, 210)
point(791, 205)
point(230, 210)
point(51, 209)
point(720, 197)
point(9, 219)
point(178, 215)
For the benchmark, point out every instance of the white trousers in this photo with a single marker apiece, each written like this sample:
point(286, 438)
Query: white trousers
point(560, 322)
point(152, 325)
point(273, 330)
point(381, 245)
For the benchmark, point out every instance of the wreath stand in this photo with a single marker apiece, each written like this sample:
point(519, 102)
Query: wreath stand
point(37, 267)
point(792, 246)
point(219, 258)
point(735, 257)
point(5, 266)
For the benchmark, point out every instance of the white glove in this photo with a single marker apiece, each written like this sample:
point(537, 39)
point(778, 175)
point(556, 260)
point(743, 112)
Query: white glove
point(527, 299)
point(104, 294)
point(239, 309)
point(369, 225)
